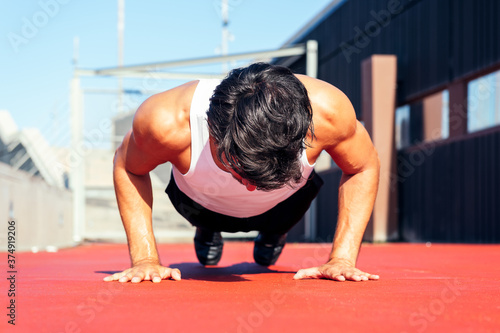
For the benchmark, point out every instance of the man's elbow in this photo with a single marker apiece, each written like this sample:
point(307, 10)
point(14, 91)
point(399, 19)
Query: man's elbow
point(372, 163)
point(372, 166)
point(375, 167)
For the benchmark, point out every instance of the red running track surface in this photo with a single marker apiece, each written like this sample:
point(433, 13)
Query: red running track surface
point(441, 288)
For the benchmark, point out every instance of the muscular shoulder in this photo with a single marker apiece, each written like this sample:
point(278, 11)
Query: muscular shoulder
point(162, 121)
point(334, 118)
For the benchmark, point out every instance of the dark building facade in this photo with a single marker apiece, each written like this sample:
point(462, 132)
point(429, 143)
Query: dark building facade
point(448, 53)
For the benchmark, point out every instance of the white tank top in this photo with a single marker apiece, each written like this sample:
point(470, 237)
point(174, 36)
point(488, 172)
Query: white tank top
point(214, 188)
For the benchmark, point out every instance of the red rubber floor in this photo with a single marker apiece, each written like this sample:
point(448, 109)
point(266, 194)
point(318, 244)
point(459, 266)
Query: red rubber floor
point(441, 288)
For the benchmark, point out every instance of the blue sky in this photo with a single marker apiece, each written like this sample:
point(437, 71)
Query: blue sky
point(36, 45)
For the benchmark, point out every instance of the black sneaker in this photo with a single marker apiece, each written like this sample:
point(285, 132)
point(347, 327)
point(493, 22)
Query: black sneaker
point(208, 246)
point(267, 248)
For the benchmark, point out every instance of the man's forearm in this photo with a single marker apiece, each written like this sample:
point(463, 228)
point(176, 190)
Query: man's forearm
point(135, 200)
point(357, 195)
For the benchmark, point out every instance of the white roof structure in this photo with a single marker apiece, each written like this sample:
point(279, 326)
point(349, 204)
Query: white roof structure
point(8, 126)
point(28, 150)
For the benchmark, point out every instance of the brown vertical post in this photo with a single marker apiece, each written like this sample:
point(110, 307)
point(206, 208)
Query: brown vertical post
point(378, 77)
point(458, 109)
point(433, 117)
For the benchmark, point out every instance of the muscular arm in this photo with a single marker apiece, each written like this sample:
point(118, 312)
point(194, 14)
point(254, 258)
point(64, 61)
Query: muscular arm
point(357, 192)
point(346, 140)
point(147, 145)
point(135, 200)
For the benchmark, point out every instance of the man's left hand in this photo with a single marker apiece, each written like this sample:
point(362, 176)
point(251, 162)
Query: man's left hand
point(338, 270)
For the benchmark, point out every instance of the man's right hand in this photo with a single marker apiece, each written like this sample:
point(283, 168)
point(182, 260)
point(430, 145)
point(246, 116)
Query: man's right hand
point(145, 272)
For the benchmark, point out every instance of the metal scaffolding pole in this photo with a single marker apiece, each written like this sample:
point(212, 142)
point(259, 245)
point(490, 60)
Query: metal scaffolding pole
point(121, 28)
point(76, 158)
point(154, 75)
point(284, 52)
point(312, 58)
point(310, 230)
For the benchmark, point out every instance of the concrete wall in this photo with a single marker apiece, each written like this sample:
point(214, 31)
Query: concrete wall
point(102, 218)
point(43, 214)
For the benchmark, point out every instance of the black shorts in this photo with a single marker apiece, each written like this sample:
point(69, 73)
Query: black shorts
point(278, 220)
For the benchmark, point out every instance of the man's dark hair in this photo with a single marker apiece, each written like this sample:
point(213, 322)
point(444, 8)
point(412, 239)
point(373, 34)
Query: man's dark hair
point(259, 117)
